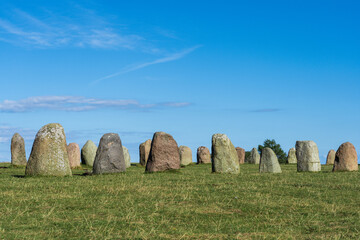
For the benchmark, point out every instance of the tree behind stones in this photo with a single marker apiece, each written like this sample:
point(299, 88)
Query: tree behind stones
point(275, 147)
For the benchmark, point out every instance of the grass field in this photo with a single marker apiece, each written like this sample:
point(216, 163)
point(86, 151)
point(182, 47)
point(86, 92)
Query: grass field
point(190, 204)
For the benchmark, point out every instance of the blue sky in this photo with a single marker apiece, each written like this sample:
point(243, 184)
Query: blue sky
point(284, 70)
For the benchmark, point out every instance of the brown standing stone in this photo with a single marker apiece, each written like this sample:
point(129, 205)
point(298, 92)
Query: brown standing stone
point(330, 157)
point(164, 153)
point(346, 158)
point(73, 151)
point(203, 155)
point(144, 150)
point(241, 154)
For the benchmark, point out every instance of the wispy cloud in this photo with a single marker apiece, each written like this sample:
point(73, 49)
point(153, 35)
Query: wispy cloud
point(88, 30)
point(266, 110)
point(78, 104)
point(132, 68)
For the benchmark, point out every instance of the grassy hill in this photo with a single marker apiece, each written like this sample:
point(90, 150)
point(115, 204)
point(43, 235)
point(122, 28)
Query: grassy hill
point(190, 204)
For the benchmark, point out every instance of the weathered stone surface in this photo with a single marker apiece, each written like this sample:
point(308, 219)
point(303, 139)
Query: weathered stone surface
point(73, 151)
point(126, 157)
point(18, 156)
point(164, 153)
point(109, 155)
point(49, 155)
point(241, 154)
point(88, 153)
point(291, 158)
point(330, 159)
point(307, 155)
point(269, 162)
point(254, 157)
point(144, 151)
point(203, 155)
point(224, 156)
point(346, 158)
point(185, 155)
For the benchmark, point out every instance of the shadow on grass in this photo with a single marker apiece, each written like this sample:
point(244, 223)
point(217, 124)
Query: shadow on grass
point(18, 176)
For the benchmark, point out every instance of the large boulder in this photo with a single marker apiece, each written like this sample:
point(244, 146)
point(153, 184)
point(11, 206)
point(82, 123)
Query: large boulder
point(164, 153)
point(346, 158)
point(307, 155)
point(224, 156)
point(291, 158)
point(269, 162)
point(88, 153)
point(203, 155)
point(241, 154)
point(109, 155)
point(126, 157)
point(185, 155)
point(330, 159)
point(73, 151)
point(144, 151)
point(18, 156)
point(49, 155)
point(254, 157)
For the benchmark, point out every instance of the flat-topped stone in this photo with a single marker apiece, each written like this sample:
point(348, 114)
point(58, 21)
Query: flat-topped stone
point(307, 155)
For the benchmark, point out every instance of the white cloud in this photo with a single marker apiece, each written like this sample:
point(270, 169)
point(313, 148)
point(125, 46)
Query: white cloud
point(77, 104)
point(21, 28)
point(132, 68)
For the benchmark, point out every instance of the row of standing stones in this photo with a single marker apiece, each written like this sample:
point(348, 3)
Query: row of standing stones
point(51, 156)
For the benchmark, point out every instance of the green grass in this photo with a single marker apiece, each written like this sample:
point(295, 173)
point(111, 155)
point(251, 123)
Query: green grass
point(191, 203)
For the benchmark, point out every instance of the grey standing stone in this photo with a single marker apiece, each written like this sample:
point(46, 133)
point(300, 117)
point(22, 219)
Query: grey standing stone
point(224, 155)
point(185, 155)
point(49, 155)
point(203, 155)
point(291, 158)
point(126, 157)
point(88, 153)
point(164, 153)
point(254, 157)
point(307, 155)
point(144, 151)
point(330, 157)
point(18, 156)
point(269, 162)
point(109, 155)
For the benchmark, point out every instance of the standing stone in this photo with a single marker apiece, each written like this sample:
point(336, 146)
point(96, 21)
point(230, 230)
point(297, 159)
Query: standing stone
point(346, 158)
point(269, 162)
point(330, 159)
point(185, 155)
point(291, 158)
point(307, 155)
point(241, 154)
point(254, 157)
point(88, 153)
point(224, 156)
point(164, 153)
point(18, 156)
point(144, 151)
point(73, 151)
point(49, 155)
point(203, 155)
point(126, 157)
point(109, 155)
